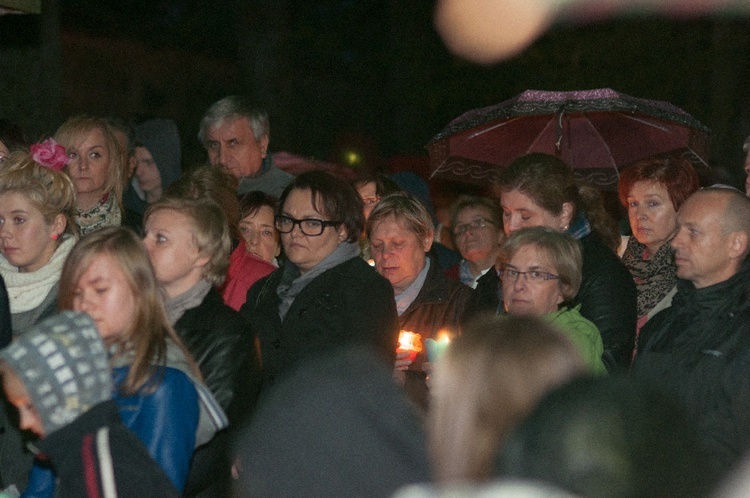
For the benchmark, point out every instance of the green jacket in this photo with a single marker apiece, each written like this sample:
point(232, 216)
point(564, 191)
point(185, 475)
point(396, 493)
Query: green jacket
point(584, 335)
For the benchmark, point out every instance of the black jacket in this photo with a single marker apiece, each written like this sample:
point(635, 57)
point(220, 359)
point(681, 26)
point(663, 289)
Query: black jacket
point(698, 350)
point(222, 344)
point(96, 451)
point(608, 298)
point(349, 303)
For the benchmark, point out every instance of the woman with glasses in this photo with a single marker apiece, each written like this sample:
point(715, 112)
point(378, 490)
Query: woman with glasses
point(540, 190)
point(477, 232)
point(401, 233)
point(541, 274)
point(324, 296)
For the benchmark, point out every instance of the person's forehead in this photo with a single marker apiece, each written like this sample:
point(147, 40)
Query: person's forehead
point(702, 209)
point(367, 189)
point(392, 225)
point(233, 125)
point(470, 212)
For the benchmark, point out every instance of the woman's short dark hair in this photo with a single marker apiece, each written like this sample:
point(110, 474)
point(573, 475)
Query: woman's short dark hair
point(252, 201)
point(675, 173)
point(333, 197)
point(383, 185)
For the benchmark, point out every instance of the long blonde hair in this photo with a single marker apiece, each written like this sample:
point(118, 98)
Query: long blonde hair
point(146, 337)
point(488, 380)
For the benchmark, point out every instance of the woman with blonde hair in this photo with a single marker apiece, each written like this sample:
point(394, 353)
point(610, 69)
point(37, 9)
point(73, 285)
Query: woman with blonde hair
point(97, 168)
point(37, 201)
point(108, 275)
point(487, 381)
point(401, 233)
point(540, 276)
point(188, 243)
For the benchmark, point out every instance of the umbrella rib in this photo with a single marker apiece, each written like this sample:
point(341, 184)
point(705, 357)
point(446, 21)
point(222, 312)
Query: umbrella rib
point(485, 130)
point(646, 122)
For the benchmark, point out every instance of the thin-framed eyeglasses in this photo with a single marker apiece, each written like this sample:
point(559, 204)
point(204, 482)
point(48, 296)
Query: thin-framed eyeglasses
point(311, 227)
point(534, 276)
point(474, 224)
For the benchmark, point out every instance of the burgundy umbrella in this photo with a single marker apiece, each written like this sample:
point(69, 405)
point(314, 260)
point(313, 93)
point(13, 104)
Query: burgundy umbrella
point(594, 131)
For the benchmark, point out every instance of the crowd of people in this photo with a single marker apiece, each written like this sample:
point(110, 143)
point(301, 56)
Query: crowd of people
point(234, 330)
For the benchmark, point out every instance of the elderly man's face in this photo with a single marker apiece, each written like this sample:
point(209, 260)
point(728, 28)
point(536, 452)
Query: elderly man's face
point(232, 144)
point(702, 249)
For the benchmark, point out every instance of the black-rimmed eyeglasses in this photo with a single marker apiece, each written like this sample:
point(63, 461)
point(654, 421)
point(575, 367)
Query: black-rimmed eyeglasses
point(309, 226)
point(531, 276)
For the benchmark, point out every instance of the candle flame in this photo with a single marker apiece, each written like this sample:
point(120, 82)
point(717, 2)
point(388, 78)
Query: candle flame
point(409, 341)
point(444, 336)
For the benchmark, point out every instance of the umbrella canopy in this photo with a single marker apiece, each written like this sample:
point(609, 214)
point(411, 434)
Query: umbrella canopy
point(594, 131)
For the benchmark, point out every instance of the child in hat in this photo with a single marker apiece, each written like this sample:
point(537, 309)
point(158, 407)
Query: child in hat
point(58, 377)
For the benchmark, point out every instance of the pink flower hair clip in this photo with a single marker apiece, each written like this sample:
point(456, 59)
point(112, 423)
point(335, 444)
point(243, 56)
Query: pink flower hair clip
point(50, 154)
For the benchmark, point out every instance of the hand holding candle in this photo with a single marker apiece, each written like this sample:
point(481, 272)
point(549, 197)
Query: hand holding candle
point(411, 343)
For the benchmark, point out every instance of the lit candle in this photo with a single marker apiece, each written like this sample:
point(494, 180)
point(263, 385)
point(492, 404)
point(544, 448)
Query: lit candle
point(409, 342)
point(436, 347)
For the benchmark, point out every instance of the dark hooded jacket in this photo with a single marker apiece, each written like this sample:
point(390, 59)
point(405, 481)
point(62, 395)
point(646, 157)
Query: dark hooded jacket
point(162, 139)
point(698, 350)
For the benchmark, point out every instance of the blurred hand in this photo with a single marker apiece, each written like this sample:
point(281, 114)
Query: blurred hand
point(427, 368)
point(403, 361)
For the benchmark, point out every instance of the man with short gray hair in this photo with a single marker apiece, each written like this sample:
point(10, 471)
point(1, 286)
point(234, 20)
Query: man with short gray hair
point(236, 136)
point(698, 350)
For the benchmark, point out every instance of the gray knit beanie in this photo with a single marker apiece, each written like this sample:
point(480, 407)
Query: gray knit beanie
point(64, 366)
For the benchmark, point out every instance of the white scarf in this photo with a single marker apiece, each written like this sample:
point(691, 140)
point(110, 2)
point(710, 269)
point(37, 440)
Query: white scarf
point(27, 290)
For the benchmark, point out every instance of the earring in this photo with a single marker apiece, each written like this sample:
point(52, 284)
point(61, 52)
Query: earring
point(565, 228)
point(55, 236)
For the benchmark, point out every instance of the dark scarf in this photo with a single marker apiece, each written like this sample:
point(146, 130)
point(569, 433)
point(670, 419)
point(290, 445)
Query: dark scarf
point(654, 277)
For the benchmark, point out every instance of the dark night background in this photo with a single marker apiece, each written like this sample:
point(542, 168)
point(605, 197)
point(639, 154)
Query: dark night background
point(341, 74)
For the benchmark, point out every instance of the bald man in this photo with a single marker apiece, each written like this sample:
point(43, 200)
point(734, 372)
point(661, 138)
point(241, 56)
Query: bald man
point(698, 350)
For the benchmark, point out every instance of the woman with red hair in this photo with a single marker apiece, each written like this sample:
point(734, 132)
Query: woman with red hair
point(652, 190)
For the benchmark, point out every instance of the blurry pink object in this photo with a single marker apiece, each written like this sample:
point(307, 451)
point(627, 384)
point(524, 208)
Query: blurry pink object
point(50, 154)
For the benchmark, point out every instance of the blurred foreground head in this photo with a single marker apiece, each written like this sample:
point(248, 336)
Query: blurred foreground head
point(489, 379)
point(607, 436)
